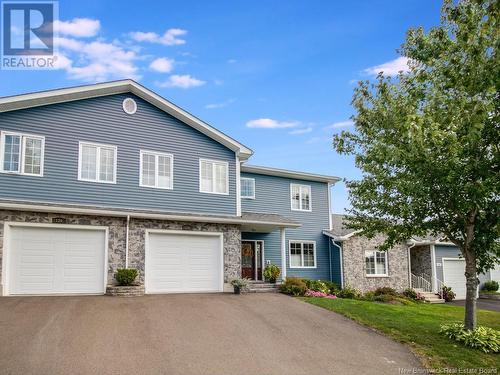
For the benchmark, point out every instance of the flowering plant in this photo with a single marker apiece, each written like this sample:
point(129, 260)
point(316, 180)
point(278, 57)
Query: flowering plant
point(313, 293)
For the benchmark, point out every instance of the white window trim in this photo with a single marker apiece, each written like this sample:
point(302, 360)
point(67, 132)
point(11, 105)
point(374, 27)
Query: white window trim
point(253, 180)
point(300, 198)
point(23, 137)
point(386, 274)
point(226, 164)
point(98, 163)
point(301, 254)
point(156, 154)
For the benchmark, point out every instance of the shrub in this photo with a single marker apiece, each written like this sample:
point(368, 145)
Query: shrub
point(349, 292)
point(385, 290)
point(447, 294)
point(369, 296)
point(240, 283)
point(483, 338)
point(317, 285)
point(332, 287)
point(384, 298)
point(490, 286)
point(125, 276)
point(272, 272)
point(410, 293)
point(313, 293)
point(293, 286)
point(324, 286)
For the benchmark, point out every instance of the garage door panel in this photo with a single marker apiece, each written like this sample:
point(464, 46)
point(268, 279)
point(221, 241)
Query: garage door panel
point(454, 276)
point(51, 260)
point(183, 263)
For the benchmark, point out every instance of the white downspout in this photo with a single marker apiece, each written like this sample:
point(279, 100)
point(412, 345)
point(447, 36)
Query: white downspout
point(126, 241)
point(433, 268)
point(409, 264)
point(341, 255)
point(238, 185)
point(283, 253)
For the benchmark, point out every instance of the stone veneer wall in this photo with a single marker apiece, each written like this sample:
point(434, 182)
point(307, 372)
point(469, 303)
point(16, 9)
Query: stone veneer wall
point(353, 253)
point(421, 261)
point(137, 230)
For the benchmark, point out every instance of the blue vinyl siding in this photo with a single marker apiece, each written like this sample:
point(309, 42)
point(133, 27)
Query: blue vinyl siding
point(444, 252)
point(335, 263)
point(447, 251)
point(272, 195)
point(102, 120)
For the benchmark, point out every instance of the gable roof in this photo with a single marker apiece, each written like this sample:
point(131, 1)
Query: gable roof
point(12, 103)
point(289, 174)
point(341, 232)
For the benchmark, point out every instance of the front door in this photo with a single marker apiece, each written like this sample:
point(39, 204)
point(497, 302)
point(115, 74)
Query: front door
point(248, 260)
point(251, 260)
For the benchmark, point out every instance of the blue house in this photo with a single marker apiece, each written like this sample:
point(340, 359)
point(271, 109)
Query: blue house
point(107, 176)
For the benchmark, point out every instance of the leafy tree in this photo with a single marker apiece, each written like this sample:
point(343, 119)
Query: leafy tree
point(427, 142)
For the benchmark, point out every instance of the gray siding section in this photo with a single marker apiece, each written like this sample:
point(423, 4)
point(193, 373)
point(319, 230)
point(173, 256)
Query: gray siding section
point(335, 263)
point(102, 120)
point(272, 195)
point(443, 251)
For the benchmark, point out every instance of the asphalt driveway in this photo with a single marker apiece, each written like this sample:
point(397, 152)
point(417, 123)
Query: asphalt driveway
point(482, 304)
point(188, 334)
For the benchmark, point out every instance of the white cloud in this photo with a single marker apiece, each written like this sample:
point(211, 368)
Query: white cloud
point(267, 123)
point(390, 68)
point(301, 131)
point(340, 124)
point(162, 65)
point(220, 105)
point(318, 140)
point(97, 60)
point(183, 81)
point(169, 37)
point(78, 27)
point(231, 61)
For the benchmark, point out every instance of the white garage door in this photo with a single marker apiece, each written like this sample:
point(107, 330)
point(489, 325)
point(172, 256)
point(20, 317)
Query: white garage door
point(183, 262)
point(495, 273)
point(55, 260)
point(454, 276)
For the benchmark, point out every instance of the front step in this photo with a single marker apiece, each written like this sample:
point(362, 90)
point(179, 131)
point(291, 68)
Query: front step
point(261, 287)
point(430, 297)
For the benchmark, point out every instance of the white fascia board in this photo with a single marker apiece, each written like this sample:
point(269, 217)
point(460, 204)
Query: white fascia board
point(341, 238)
point(425, 242)
point(11, 103)
point(289, 174)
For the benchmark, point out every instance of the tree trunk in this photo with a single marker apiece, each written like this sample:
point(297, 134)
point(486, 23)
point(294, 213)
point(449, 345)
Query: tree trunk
point(471, 283)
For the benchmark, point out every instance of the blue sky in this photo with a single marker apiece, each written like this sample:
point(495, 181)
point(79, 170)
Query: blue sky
point(277, 76)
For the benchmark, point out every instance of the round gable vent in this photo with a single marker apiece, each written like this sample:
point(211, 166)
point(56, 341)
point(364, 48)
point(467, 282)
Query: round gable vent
point(129, 106)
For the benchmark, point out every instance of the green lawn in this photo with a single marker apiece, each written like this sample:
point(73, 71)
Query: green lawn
point(418, 326)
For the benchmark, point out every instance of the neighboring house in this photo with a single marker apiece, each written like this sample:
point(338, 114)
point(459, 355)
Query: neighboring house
point(428, 262)
point(100, 177)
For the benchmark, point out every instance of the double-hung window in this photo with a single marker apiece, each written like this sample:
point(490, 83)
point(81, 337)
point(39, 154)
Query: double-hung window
point(376, 263)
point(214, 176)
point(97, 163)
point(157, 170)
point(247, 187)
point(300, 197)
point(21, 153)
point(302, 254)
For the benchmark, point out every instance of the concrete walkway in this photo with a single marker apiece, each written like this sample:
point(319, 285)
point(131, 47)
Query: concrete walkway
point(188, 334)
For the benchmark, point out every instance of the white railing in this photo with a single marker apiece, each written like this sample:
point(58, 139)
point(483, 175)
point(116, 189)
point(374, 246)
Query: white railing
point(420, 282)
point(426, 283)
point(439, 287)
